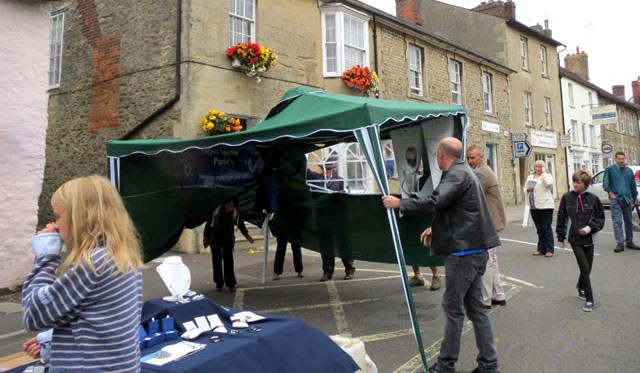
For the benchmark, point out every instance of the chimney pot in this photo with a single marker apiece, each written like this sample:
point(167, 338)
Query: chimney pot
point(577, 50)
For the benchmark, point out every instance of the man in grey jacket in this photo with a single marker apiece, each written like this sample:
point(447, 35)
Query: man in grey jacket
point(492, 291)
point(463, 231)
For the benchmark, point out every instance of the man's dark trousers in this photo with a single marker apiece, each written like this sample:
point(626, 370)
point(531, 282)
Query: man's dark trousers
point(464, 292)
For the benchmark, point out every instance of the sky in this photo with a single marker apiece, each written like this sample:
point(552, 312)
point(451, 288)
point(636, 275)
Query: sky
point(603, 29)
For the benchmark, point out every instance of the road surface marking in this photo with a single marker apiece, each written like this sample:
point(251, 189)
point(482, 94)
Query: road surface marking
point(415, 363)
point(535, 244)
point(320, 305)
point(338, 310)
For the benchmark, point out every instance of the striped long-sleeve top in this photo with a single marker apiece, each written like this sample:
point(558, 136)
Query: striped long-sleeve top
point(94, 313)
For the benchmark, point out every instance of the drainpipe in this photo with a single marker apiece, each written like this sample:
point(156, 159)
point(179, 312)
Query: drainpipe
point(564, 128)
point(375, 51)
point(176, 97)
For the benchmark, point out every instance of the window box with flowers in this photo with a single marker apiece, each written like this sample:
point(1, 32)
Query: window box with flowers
point(217, 122)
point(252, 58)
point(361, 78)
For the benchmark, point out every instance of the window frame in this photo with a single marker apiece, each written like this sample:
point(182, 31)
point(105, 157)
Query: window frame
point(452, 63)
point(528, 109)
point(339, 11)
point(543, 61)
point(621, 121)
point(574, 132)
point(630, 120)
point(592, 135)
point(417, 70)
point(56, 60)
point(572, 102)
point(487, 94)
point(524, 53)
point(242, 18)
point(548, 117)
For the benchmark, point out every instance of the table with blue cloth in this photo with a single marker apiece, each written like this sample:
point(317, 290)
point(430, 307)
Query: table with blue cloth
point(283, 345)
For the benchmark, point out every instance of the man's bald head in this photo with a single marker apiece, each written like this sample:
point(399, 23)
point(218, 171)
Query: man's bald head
point(449, 150)
point(451, 147)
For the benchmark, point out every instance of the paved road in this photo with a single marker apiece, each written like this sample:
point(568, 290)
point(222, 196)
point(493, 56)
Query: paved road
point(541, 329)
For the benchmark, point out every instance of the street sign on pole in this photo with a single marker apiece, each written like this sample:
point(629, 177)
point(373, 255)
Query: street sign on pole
point(518, 136)
point(606, 148)
point(521, 149)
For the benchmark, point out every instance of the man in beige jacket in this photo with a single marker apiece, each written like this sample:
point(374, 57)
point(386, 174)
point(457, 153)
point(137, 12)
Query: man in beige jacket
point(492, 292)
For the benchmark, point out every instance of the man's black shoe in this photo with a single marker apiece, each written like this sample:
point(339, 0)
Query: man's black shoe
point(499, 302)
point(632, 246)
point(618, 249)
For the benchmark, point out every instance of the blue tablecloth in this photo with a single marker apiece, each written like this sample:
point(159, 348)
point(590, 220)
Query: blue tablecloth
point(283, 345)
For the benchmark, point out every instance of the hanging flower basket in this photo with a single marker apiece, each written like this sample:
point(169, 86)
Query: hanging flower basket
point(252, 58)
point(217, 122)
point(361, 78)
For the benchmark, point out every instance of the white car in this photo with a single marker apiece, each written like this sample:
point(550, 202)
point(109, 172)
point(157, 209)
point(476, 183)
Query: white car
point(598, 180)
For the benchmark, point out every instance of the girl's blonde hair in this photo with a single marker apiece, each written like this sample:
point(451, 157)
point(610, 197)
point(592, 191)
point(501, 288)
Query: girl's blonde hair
point(97, 217)
point(541, 164)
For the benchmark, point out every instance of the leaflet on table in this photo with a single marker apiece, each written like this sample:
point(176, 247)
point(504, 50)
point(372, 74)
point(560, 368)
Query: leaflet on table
point(247, 316)
point(202, 323)
point(214, 321)
point(172, 353)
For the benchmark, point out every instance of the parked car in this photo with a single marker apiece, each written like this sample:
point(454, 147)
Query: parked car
point(598, 180)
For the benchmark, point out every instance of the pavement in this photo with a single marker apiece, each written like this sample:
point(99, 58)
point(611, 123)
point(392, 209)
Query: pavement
point(249, 263)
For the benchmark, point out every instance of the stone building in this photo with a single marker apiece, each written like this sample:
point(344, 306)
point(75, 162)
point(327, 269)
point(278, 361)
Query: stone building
point(623, 135)
point(621, 131)
point(25, 30)
point(120, 78)
point(492, 29)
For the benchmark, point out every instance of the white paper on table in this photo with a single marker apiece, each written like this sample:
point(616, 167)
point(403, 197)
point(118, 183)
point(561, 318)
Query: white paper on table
point(189, 325)
point(240, 324)
point(220, 329)
point(248, 316)
point(202, 323)
point(173, 352)
point(214, 321)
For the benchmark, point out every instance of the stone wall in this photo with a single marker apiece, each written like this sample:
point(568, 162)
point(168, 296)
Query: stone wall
point(118, 67)
point(393, 47)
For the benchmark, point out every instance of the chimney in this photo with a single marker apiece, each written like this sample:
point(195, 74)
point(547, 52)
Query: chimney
point(409, 10)
point(547, 30)
point(635, 89)
point(498, 8)
point(578, 64)
point(618, 91)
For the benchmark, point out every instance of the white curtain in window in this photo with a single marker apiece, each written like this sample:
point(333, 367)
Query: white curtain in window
point(415, 69)
point(241, 21)
point(354, 44)
point(330, 44)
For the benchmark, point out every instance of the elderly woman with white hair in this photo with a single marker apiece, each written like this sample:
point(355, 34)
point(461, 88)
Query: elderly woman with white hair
point(538, 190)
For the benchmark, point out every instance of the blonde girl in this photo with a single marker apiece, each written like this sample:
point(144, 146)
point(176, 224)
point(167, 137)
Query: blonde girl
point(93, 298)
